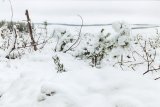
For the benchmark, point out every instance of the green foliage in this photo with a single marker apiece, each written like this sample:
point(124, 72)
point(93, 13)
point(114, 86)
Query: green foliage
point(59, 66)
point(94, 48)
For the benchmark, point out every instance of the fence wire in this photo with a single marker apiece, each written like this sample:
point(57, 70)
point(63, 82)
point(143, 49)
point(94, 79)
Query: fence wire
point(134, 26)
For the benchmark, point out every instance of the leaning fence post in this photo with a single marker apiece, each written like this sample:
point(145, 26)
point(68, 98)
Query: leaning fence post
point(33, 43)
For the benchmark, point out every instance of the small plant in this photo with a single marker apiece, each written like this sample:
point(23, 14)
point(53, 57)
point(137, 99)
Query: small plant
point(94, 47)
point(64, 40)
point(59, 66)
point(148, 54)
point(122, 41)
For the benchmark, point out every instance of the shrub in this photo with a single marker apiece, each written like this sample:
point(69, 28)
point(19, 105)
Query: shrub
point(64, 40)
point(94, 48)
point(21, 26)
point(59, 66)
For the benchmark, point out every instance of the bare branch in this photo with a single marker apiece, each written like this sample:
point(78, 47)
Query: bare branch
point(79, 36)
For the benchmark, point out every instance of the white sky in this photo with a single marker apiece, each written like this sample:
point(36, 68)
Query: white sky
point(93, 11)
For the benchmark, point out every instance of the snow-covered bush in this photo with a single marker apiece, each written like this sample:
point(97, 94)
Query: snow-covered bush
point(64, 40)
point(7, 39)
point(16, 42)
point(94, 47)
point(97, 47)
point(4, 31)
point(59, 66)
point(121, 39)
point(121, 50)
point(155, 41)
point(13, 43)
point(145, 52)
point(21, 26)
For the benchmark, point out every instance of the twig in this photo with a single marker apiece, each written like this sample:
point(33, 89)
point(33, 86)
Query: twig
point(14, 44)
point(79, 35)
point(157, 78)
point(151, 70)
point(44, 42)
point(55, 49)
point(11, 13)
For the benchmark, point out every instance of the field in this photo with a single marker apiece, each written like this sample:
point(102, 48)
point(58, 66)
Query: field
point(79, 53)
point(31, 78)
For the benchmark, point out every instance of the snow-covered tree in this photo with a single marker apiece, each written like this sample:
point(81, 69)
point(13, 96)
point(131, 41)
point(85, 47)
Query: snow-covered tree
point(121, 39)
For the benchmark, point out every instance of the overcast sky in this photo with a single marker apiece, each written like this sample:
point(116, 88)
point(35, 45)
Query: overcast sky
point(93, 11)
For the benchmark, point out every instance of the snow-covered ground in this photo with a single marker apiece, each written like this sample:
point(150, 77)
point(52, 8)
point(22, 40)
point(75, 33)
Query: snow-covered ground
point(28, 82)
point(33, 81)
point(22, 82)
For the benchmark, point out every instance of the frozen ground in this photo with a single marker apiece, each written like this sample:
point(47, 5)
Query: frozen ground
point(27, 82)
point(22, 82)
point(33, 81)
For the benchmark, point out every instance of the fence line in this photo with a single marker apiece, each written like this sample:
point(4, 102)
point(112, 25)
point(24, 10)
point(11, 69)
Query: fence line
point(141, 26)
point(66, 24)
point(144, 27)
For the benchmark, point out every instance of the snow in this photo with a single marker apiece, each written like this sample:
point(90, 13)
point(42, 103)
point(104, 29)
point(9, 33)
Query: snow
point(117, 26)
point(34, 82)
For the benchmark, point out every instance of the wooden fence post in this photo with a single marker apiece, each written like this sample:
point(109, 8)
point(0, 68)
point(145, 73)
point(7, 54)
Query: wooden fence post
point(33, 43)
